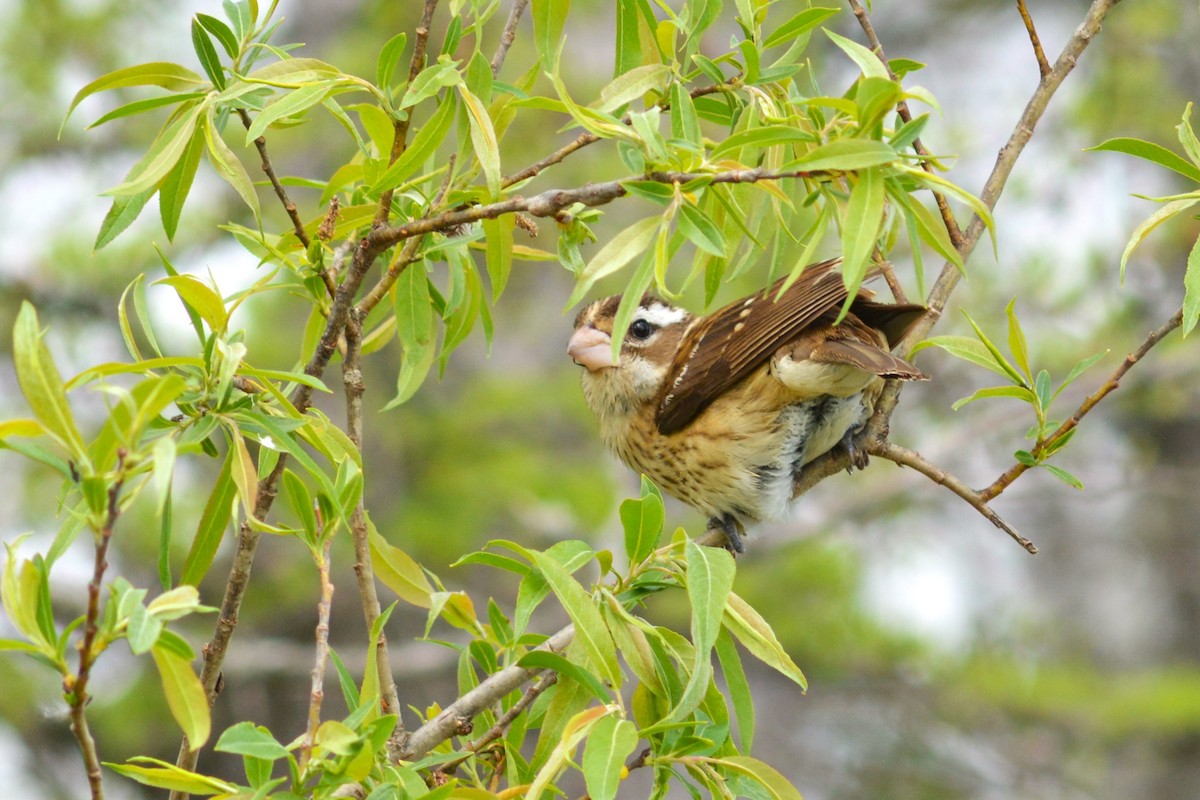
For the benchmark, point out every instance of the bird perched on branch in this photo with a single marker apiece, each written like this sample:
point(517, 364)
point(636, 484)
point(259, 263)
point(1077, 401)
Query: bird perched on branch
point(722, 411)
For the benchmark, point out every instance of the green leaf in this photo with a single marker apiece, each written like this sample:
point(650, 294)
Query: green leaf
point(483, 138)
point(685, 124)
point(124, 210)
point(1016, 339)
point(618, 252)
point(710, 572)
point(389, 56)
point(422, 146)
point(700, 230)
point(430, 81)
point(845, 155)
point(42, 385)
point(930, 228)
point(228, 166)
point(1019, 392)
point(398, 571)
point(1063, 475)
point(749, 628)
point(221, 33)
point(1187, 136)
point(1191, 289)
point(642, 520)
point(549, 18)
point(966, 348)
point(798, 25)
point(629, 86)
point(291, 73)
point(290, 104)
point(1147, 225)
point(185, 696)
point(164, 153)
point(175, 187)
point(997, 357)
point(248, 739)
point(211, 528)
point(544, 659)
point(764, 136)
point(172, 77)
point(1154, 153)
point(867, 61)
point(590, 630)
point(207, 55)
point(609, 744)
point(739, 689)
point(860, 227)
point(766, 775)
point(498, 234)
point(169, 776)
point(200, 297)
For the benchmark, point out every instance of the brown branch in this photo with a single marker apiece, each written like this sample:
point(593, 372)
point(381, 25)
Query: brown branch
point(509, 34)
point(1038, 52)
point(317, 690)
point(400, 127)
point(75, 688)
point(552, 201)
point(443, 726)
point(1114, 381)
point(363, 570)
point(911, 458)
point(543, 683)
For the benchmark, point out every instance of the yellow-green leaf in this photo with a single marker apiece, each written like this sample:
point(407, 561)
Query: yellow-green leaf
point(185, 695)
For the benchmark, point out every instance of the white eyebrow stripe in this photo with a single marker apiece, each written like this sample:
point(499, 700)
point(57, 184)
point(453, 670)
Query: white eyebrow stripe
point(660, 315)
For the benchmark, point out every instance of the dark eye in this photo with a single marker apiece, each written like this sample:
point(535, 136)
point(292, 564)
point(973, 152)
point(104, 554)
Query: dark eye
point(640, 329)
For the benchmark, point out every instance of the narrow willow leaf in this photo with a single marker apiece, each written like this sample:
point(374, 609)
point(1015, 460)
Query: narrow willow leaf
point(700, 230)
point(618, 252)
point(175, 187)
point(398, 571)
point(710, 572)
point(995, 353)
point(242, 470)
point(172, 77)
point(42, 385)
point(422, 146)
point(685, 124)
point(867, 61)
point(931, 229)
point(483, 138)
point(763, 136)
point(860, 227)
point(499, 236)
point(629, 86)
point(164, 152)
point(291, 73)
point(642, 520)
point(549, 18)
point(1191, 289)
point(966, 348)
point(185, 695)
point(1154, 153)
point(1147, 225)
point(1019, 392)
point(1063, 475)
point(1187, 136)
point(389, 56)
point(628, 45)
point(221, 33)
point(739, 689)
point(430, 81)
point(169, 776)
point(1016, 339)
point(590, 630)
point(228, 166)
point(609, 744)
point(798, 25)
point(845, 154)
point(211, 528)
point(207, 55)
point(766, 775)
point(290, 104)
point(749, 628)
point(544, 659)
point(124, 210)
point(200, 297)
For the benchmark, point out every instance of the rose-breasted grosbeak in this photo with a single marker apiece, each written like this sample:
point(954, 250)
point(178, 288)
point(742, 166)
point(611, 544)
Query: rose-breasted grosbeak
point(722, 411)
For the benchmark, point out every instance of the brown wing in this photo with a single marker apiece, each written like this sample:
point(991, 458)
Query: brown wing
point(722, 348)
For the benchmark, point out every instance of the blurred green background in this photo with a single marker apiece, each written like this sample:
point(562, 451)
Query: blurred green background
point(944, 661)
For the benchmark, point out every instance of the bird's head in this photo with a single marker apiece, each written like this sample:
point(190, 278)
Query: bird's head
point(647, 351)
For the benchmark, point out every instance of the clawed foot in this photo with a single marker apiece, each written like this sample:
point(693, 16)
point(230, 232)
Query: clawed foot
point(858, 456)
point(733, 530)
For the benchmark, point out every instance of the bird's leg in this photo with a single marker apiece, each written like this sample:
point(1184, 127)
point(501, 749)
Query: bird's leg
point(733, 530)
point(858, 457)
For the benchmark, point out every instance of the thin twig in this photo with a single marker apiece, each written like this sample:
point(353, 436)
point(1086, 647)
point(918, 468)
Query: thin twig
point(442, 727)
point(400, 126)
point(493, 733)
point(317, 691)
point(509, 34)
point(76, 691)
point(363, 570)
point(1038, 52)
point(1114, 381)
point(911, 458)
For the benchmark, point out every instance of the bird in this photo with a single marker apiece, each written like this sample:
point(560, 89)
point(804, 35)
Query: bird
point(722, 411)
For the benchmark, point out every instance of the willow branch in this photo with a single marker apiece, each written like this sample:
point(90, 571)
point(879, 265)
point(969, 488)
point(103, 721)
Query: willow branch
point(543, 683)
point(911, 458)
point(1034, 39)
point(76, 688)
point(1114, 381)
point(400, 126)
point(509, 34)
point(443, 726)
point(317, 690)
